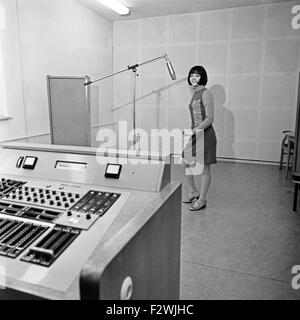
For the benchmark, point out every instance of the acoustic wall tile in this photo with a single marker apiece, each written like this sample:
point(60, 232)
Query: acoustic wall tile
point(153, 91)
point(123, 92)
point(220, 147)
point(282, 55)
point(125, 57)
point(218, 30)
point(154, 31)
point(182, 28)
point(180, 94)
point(246, 57)
point(219, 122)
point(279, 91)
point(239, 149)
point(273, 122)
point(279, 19)
point(243, 90)
point(217, 86)
point(268, 151)
point(126, 33)
point(149, 117)
point(241, 124)
point(156, 68)
point(183, 59)
point(248, 22)
point(178, 118)
point(213, 57)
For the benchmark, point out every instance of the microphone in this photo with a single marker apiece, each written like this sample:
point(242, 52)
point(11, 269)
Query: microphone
point(170, 68)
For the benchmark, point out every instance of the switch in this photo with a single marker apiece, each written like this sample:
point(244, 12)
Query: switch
point(19, 162)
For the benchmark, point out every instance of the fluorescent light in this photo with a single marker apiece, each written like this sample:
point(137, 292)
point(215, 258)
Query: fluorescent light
point(116, 6)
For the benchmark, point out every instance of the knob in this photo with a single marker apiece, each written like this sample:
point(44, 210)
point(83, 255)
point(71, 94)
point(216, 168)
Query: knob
point(88, 217)
point(126, 289)
point(69, 213)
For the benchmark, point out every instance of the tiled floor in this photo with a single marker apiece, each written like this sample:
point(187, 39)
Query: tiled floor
point(245, 243)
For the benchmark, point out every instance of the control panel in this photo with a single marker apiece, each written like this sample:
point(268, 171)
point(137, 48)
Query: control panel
point(67, 210)
point(57, 203)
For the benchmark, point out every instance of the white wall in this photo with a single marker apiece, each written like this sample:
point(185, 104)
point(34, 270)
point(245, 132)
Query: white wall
point(61, 38)
point(11, 78)
point(252, 58)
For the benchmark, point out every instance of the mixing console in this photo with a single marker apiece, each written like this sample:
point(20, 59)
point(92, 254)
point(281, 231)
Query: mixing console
point(44, 197)
point(7, 185)
point(70, 212)
point(16, 236)
point(74, 219)
point(51, 246)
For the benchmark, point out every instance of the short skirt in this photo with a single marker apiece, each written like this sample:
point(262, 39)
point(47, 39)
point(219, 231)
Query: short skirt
point(194, 149)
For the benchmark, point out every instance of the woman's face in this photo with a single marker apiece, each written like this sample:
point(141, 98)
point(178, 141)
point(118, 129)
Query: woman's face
point(194, 79)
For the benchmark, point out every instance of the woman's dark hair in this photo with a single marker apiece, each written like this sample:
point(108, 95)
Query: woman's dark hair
point(202, 72)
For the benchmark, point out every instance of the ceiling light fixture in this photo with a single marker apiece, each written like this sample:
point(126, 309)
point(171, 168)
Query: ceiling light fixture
point(116, 6)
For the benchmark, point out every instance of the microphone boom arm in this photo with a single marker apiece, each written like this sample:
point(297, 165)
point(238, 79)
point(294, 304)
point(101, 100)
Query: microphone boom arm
point(128, 68)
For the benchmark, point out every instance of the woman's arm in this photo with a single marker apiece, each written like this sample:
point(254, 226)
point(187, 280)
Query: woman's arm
point(208, 102)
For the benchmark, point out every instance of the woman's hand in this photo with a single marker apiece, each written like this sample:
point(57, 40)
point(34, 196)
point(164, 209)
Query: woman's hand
point(197, 131)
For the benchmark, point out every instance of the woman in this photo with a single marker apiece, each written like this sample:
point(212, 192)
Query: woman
point(202, 117)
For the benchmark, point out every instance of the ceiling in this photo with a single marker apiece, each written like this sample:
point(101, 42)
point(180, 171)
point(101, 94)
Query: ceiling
point(150, 8)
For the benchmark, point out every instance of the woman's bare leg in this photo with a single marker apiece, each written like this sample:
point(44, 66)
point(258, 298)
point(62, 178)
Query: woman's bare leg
point(205, 182)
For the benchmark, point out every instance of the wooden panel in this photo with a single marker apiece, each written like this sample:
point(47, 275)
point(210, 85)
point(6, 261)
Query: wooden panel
point(151, 258)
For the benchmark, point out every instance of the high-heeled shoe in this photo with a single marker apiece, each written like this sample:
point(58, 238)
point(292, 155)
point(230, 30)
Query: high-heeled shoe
point(191, 198)
point(198, 205)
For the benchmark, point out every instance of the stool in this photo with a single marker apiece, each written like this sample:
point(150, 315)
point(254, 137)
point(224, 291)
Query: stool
point(287, 148)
